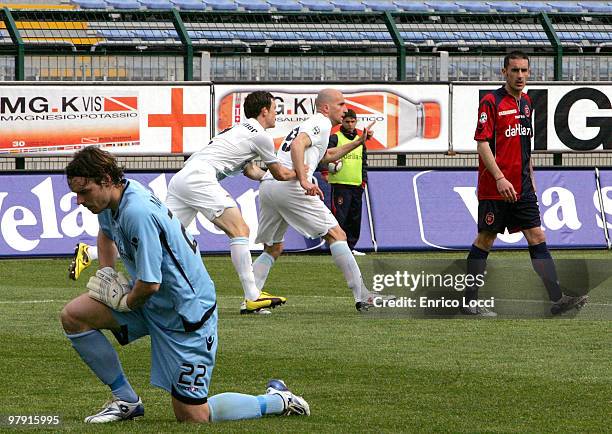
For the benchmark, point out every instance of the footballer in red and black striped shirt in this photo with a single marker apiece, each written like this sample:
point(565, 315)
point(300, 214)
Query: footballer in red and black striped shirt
point(506, 190)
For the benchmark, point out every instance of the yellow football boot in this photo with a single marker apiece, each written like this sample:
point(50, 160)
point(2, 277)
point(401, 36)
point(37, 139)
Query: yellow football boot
point(262, 304)
point(80, 261)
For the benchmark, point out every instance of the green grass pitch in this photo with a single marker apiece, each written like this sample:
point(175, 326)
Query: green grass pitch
point(359, 374)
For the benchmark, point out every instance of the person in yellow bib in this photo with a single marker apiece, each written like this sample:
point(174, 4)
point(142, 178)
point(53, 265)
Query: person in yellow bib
point(348, 183)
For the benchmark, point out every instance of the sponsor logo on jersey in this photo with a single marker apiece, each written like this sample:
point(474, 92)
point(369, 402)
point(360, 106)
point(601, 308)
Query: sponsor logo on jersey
point(507, 112)
point(517, 130)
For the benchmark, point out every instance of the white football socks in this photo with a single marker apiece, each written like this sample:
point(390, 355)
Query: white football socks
point(345, 260)
point(241, 258)
point(261, 269)
point(92, 252)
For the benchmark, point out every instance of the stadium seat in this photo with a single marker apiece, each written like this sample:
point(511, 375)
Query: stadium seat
point(115, 34)
point(598, 37)
point(349, 5)
point(474, 6)
point(597, 7)
point(470, 36)
point(191, 5)
point(414, 36)
point(254, 5)
point(318, 5)
point(316, 36)
point(377, 36)
point(285, 5)
point(440, 6)
point(250, 35)
point(500, 6)
point(90, 4)
point(285, 36)
point(163, 5)
point(211, 35)
point(410, 6)
point(381, 5)
point(223, 5)
point(123, 4)
point(535, 6)
point(532, 36)
point(501, 36)
point(566, 6)
point(155, 34)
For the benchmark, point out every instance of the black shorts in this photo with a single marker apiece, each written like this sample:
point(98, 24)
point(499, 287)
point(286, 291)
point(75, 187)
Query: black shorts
point(497, 215)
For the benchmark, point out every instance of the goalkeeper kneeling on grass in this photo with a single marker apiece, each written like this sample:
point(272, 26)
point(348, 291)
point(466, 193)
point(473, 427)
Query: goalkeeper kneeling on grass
point(168, 295)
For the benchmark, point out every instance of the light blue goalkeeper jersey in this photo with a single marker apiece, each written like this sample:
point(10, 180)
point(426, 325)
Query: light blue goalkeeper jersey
point(155, 248)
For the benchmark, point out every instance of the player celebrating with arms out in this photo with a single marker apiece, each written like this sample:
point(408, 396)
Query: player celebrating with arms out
point(296, 203)
point(170, 297)
point(506, 187)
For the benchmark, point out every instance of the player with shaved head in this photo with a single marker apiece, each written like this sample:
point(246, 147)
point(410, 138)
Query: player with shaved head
point(298, 203)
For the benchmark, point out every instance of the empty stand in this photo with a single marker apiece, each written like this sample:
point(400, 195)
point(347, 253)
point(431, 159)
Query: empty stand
point(349, 5)
point(156, 5)
point(317, 5)
point(189, 5)
point(286, 5)
point(230, 5)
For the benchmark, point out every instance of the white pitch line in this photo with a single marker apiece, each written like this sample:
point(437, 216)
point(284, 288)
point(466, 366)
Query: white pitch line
point(32, 301)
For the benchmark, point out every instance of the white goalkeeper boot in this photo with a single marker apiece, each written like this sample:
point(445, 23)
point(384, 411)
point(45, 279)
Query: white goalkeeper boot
point(117, 410)
point(293, 404)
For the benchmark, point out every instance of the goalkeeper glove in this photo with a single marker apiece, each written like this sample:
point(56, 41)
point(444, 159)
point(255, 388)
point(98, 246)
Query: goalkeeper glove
point(111, 288)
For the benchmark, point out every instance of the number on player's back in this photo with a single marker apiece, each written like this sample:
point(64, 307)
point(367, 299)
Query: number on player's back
point(286, 147)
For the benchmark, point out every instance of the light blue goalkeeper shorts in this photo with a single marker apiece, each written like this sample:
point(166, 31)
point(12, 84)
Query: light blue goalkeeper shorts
point(181, 362)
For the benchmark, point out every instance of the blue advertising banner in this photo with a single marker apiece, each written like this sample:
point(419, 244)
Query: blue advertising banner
point(447, 207)
point(39, 215)
point(410, 210)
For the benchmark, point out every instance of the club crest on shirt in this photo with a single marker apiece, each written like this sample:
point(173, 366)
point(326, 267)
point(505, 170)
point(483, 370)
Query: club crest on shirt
point(489, 218)
point(526, 111)
point(483, 118)
point(316, 130)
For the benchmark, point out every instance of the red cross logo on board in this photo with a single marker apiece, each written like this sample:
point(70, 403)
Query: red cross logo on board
point(177, 120)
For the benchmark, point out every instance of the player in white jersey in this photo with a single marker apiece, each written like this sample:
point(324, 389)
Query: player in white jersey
point(196, 188)
point(296, 203)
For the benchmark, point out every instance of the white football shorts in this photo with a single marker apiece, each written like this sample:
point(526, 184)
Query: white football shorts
point(195, 189)
point(283, 203)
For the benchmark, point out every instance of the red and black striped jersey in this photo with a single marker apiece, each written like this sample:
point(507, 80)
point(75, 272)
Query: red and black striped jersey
point(505, 123)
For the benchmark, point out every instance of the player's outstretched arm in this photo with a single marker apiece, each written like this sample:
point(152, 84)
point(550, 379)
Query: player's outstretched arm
point(334, 154)
point(107, 251)
point(253, 171)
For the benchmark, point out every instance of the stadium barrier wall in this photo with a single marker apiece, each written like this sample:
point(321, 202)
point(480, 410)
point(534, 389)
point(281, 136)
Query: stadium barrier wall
point(411, 210)
point(177, 119)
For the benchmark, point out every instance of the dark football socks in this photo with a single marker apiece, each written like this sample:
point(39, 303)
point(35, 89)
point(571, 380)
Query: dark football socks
point(476, 264)
point(544, 265)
